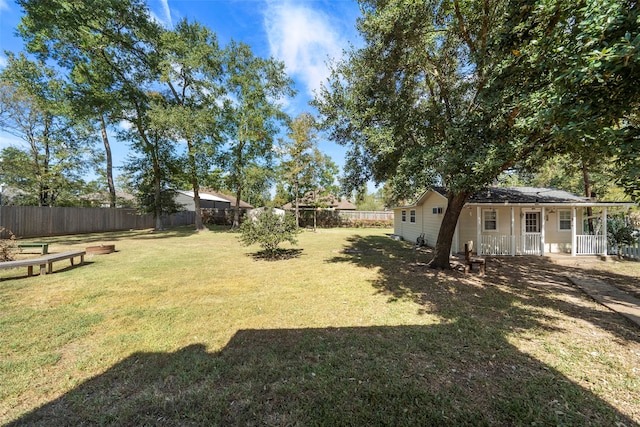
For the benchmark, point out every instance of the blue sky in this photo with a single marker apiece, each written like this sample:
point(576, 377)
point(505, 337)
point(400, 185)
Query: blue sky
point(301, 33)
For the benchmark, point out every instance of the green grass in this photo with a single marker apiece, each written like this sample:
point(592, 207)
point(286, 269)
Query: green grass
point(179, 328)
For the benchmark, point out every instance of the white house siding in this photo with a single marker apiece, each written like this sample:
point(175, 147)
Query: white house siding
point(426, 221)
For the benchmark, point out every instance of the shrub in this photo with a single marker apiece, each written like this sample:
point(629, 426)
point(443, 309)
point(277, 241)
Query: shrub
point(620, 233)
point(268, 229)
point(8, 247)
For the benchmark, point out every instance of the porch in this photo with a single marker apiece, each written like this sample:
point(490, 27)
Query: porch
point(534, 244)
point(532, 236)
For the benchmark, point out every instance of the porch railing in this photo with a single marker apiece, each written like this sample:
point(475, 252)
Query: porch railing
point(590, 245)
point(496, 245)
point(531, 244)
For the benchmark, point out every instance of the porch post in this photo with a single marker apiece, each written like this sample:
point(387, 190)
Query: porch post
point(574, 239)
point(513, 233)
point(479, 230)
point(542, 225)
point(604, 231)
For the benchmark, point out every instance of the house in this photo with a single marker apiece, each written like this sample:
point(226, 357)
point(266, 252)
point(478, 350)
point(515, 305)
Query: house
point(207, 201)
point(231, 199)
point(511, 221)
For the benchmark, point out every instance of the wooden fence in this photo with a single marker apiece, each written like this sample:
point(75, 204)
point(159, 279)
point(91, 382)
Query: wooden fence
point(35, 221)
point(367, 215)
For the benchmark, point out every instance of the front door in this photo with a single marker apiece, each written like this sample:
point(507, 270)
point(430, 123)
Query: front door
point(531, 233)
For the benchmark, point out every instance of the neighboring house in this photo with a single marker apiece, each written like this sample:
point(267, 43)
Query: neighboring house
point(511, 221)
point(329, 202)
point(207, 201)
point(231, 199)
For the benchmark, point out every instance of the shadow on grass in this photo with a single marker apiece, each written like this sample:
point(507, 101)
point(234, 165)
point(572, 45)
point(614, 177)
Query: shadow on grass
point(400, 375)
point(114, 236)
point(277, 255)
point(461, 371)
point(21, 272)
point(510, 282)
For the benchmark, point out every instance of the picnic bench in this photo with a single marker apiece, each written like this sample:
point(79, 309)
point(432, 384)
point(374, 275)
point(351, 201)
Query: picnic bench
point(470, 260)
point(45, 262)
point(44, 247)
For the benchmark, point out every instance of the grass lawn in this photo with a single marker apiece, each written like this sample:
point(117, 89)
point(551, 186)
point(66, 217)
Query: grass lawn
point(178, 328)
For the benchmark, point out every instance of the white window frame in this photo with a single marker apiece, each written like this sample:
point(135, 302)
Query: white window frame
point(404, 216)
point(412, 216)
point(560, 220)
point(484, 220)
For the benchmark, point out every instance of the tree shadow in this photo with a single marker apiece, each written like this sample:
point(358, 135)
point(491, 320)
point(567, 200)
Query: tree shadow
point(509, 281)
point(277, 255)
point(461, 370)
point(114, 236)
point(395, 375)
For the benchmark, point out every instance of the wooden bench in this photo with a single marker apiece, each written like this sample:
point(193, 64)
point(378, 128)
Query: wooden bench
point(44, 247)
point(45, 262)
point(470, 260)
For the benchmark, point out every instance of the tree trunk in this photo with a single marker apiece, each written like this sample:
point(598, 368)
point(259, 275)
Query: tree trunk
point(109, 169)
point(158, 208)
point(196, 201)
point(587, 193)
point(442, 253)
point(196, 187)
point(236, 212)
point(297, 204)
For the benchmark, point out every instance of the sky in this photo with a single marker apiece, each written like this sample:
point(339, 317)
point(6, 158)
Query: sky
point(303, 34)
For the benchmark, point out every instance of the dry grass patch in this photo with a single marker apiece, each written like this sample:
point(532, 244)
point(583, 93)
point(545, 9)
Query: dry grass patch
point(179, 328)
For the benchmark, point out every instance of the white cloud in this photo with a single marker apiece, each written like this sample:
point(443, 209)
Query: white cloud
point(8, 140)
point(304, 38)
point(163, 17)
point(3, 60)
point(167, 12)
point(4, 5)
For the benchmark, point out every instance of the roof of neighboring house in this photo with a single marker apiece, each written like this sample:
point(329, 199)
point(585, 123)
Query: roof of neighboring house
point(519, 195)
point(203, 196)
point(225, 197)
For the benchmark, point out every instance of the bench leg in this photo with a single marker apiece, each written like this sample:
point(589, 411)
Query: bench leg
point(50, 268)
point(482, 269)
point(43, 269)
point(30, 270)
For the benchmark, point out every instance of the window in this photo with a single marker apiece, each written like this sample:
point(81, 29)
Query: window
point(412, 216)
point(564, 220)
point(532, 222)
point(437, 210)
point(404, 216)
point(489, 220)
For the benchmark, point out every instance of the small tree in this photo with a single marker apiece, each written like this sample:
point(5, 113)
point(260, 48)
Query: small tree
point(268, 229)
point(8, 247)
point(620, 233)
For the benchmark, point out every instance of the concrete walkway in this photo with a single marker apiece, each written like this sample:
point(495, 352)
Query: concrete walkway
point(609, 296)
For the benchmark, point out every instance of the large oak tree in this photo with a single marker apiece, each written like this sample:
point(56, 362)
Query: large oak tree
point(454, 93)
